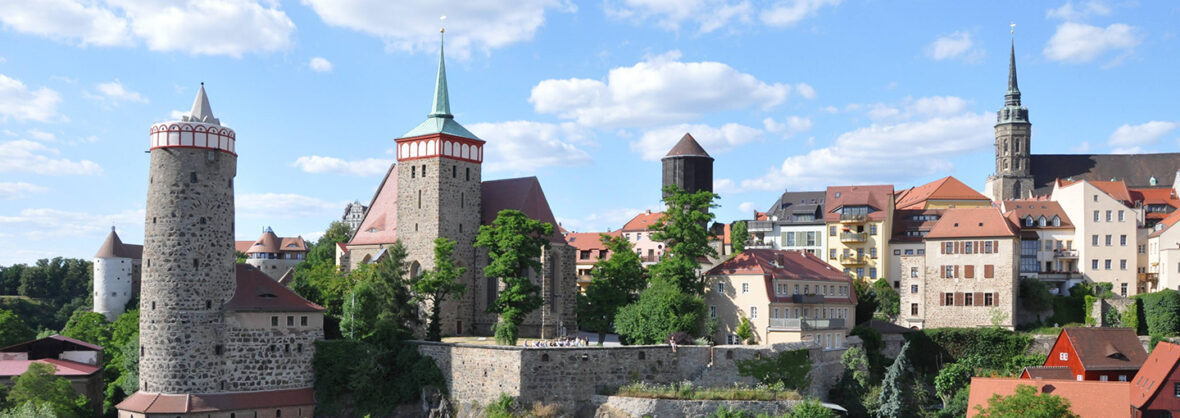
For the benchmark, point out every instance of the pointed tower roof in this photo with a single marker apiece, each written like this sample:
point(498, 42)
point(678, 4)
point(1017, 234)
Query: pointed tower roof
point(687, 147)
point(113, 247)
point(440, 120)
point(1012, 97)
point(201, 112)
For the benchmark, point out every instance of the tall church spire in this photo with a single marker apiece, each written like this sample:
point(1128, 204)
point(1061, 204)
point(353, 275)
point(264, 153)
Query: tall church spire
point(1012, 97)
point(201, 111)
point(442, 100)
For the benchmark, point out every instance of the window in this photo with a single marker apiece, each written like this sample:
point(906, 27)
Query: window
point(290, 321)
point(1176, 389)
point(1063, 356)
point(921, 251)
point(796, 289)
point(872, 229)
point(1121, 217)
point(860, 272)
point(949, 248)
point(1094, 240)
point(468, 173)
point(720, 287)
point(987, 247)
point(967, 247)
point(1123, 290)
point(789, 239)
point(1108, 236)
point(832, 253)
point(913, 288)
point(274, 321)
point(745, 288)
point(1122, 264)
point(1094, 264)
point(303, 321)
point(988, 299)
point(1123, 240)
point(753, 312)
point(913, 272)
point(832, 231)
point(712, 311)
point(1103, 378)
point(909, 251)
point(1096, 213)
point(413, 171)
point(1122, 377)
point(872, 272)
point(948, 299)
point(898, 252)
point(1107, 263)
point(948, 271)
point(454, 171)
point(1108, 218)
point(873, 252)
point(968, 299)
point(1095, 198)
point(914, 309)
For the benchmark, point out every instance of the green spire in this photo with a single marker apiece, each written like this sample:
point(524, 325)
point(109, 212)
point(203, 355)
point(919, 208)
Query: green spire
point(1012, 97)
point(442, 100)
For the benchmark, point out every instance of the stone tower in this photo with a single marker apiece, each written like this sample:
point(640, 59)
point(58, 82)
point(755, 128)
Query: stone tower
point(1013, 178)
point(188, 253)
point(688, 165)
point(438, 195)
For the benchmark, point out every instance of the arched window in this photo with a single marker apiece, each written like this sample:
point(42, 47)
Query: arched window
point(1056, 220)
point(1042, 222)
point(1028, 220)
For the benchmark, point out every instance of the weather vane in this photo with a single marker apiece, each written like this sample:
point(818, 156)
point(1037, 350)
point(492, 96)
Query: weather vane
point(443, 19)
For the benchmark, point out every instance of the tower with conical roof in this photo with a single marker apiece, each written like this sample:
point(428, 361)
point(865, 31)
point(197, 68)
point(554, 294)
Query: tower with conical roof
point(116, 275)
point(1012, 178)
point(688, 166)
point(188, 253)
point(439, 184)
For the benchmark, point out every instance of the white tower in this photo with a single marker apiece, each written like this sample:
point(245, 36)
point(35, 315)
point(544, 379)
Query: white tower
point(116, 268)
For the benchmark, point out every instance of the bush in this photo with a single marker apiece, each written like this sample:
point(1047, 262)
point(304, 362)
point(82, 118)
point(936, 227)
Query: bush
point(1133, 316)
point(1089, 308)
point(376, 376)
point(811, 408)
point(688, 391)
point(661, 310)
point(788, 368)
point(725, 412)
point(993, 346)
point(1161, 311)
point(957, 407)
point(502, 407)
point(872, 338)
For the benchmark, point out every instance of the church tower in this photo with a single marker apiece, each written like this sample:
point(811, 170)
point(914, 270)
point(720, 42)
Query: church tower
point(688, 165)
point(188, 253)
point(438, 195)
point(1012, 178)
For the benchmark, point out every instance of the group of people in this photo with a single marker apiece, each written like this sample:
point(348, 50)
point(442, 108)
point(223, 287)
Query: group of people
point(559, 342)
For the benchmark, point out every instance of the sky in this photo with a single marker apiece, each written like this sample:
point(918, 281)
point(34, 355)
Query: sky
point(587, 96)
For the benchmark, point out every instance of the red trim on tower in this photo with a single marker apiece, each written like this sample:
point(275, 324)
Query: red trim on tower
point(441, 141)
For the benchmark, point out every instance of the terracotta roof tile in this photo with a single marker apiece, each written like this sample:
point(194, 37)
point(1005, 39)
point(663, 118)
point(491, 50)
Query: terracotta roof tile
point(971, 222)
point(9, 368)
point(1158, 195)
point(157, 403)
point(1051, 372)
point(879, 198)
point(380, 223)
point(1106, 348)
point(783, 265)
point(687, 146)
point(1086, 398)
point(1017, 210)
point(524, 194)
point(243, 246)
point(257, 292)
point(1154, 374)
point(946, 188)
point(1167, 222)
point(642, 221)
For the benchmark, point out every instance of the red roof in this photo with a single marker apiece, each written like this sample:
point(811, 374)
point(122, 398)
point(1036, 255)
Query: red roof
point(243, 246)
point(1086, 398)
point(271, 243)
point(971, 222)
point(1159, 195)
point(760, 216)
point(1051, 372)
point(1101, 348)
point(782, 265)
point(1116, 189)
point(69, 343)
point(9, 368)
point(1167, 222)
point(587, 240)
point(643, 221)
point(380, 223)
point(523, 194)
point(878, 197)
point(158, 403)
point(257, 292)
point(1017, 210)
point(946, 188)
point(1154, 373)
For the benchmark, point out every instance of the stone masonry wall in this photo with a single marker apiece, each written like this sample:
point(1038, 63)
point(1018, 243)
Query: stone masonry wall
point(265, 357)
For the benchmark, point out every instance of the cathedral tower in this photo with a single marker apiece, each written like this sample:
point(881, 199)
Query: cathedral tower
point(439, 195)
point(188, 253)
point(1012, 178)
point(688, 165)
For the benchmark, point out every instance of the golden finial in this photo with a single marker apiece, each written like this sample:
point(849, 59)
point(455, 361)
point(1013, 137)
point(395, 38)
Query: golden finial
point(443, 29)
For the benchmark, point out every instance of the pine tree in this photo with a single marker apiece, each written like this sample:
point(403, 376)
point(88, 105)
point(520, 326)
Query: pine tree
point(895, 387)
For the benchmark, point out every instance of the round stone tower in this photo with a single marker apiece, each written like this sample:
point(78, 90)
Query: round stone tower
point(188, 253)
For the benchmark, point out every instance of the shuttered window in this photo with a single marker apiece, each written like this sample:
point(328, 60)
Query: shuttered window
point(969, 271)
point(989, 271)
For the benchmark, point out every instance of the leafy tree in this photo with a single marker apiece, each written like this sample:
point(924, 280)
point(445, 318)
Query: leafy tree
point(323, 251)
point(889, 301)
point(1035, 295)
point(791, 369)
point(128, 380)
point(616, 282)
point(13, 330)
point(957, 406)
point(951, 379)
point(29, 410)
point(433, 286)
point(91, 327)
point(738, 236)
point(514, 244)
point(1026, 403)
point(811, 408)
point(662, 309)
point(744, 333)
point(866, 300)
point(361, 309)
point(683, 231)
point(10, 278)
point(240, 257)
point(1162, 311)
point(853, 383)
point(40, 386)
point(117, 371)
point(894, 399)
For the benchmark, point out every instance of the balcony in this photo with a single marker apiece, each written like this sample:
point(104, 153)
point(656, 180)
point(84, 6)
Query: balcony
point(759, 226)
point(796, 324)
point(851, 260)
point(1065, 254)
point(854, 236)
point(1058, 275)
point(807, 299)
point(853, 218)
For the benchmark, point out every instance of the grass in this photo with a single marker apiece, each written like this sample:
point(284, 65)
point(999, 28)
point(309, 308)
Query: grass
point(687, 391)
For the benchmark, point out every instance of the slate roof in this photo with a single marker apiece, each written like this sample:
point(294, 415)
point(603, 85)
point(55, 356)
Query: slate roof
point(885, 327)
point(1086, 398)
point(1135, 169)
point(946, 188)
point(903, 221)
point(257, 292)
point(792, 203)
point(783, 265)
point(523, 194)
point(687, 147)
point(381, 219)
point(972, 222)
point(113, 247)
point(1154, 374)
point(1106, 348)
point(158, 403)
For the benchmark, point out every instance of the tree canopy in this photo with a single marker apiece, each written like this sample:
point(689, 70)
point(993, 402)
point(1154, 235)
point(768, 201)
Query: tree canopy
point(13, 330)
point(1026, 403)
point(515, 244)
point(683, 230)
point(436, 284)
point(616, 282)
point(39, 386)
point(662, 309)
point(739, 235)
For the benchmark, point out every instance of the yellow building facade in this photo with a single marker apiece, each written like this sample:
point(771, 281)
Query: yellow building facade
point(859, 223)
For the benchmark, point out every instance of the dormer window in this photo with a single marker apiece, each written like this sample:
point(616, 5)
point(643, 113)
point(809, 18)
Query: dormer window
point(1041, 221)
point(1056, 220)
point(1028, 221)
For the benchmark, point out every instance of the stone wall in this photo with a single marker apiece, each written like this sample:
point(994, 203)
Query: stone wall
point(266, 357)
point(571, 376)
point(621, 406)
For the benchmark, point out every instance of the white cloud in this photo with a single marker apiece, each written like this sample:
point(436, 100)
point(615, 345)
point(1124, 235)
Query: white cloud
point(41, 135)
point(200, 27)
point(284, 206)
point(320, 65)
point(18, 102)
point(24, 156)
point(1068, 11)
point(525, 146)
point(1130, 138)
point(606, 220)
point(112, 93)
point(956, 45)
point(661, 89)
point(805, 91)
point(789, 12)
point(414, 25)
point(1081, 148)
point(316, 164)
point(874, 154)
point(910, 108)
point(708, 15)
point(17, 190)
point(748, 207)
point(655, 143)
point(45, 223)
point(724, 186)
point(791, 126)
point(1080, 43)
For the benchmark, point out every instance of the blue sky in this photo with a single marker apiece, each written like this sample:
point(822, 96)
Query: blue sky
point(785, 94)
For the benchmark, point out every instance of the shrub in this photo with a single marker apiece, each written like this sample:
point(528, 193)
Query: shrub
point(688, 391)
point(724, 412)
point(789, 368)
point(871, 337)
point(661, 310)
point(1161, 311)
point(544, 410)
point(1089, 308)
point(502, 407)
point(993, 346)
point(1133, 316)
point(811, 408)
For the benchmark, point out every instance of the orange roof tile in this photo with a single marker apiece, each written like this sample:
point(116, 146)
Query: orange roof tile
point(643, 221)
point(1086, 398)
point(1154, 374)
point(1159, 195)
point(783, 265)
point(1017, 210)
point(1167, 222)
point(878, 197)
point(587, 240)
point(946, 188)
point(971, 222)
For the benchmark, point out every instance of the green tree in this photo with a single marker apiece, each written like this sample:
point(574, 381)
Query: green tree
point(1035, 296)
point(13, 330)
point(323, 251)
point(616, 282)
point(124, 332)
point(91, 327)
point(738, 236)
point(683, 231)
point(392, 285)
point(1162, 311)
point(889, 302)
point(951, 379)
point(744, 331)
point(866, 300)
point(894, 399)
point(661, 310)
point(29, 410)
point(433, 286)
point(811, 408)
point(1026, 403)
point(853, 383)
point(39, 385)
point(957, 406)
point(514, 244)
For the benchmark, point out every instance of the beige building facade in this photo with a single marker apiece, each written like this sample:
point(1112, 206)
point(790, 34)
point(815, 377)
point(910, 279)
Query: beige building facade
point(1105, 231)
point(858, 223)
